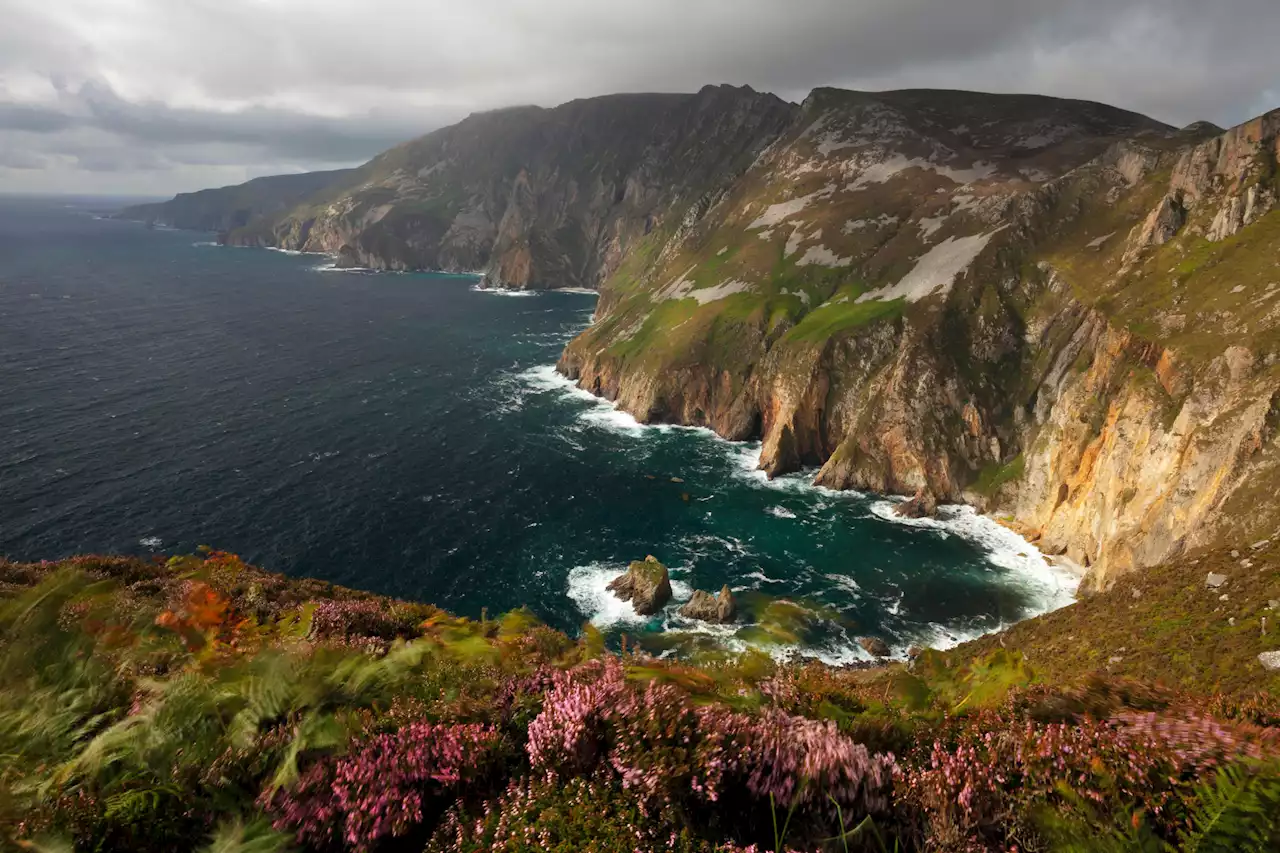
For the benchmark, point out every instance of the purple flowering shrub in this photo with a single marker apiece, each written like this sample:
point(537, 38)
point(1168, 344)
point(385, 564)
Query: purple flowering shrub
point(383, 787)
point(346, 619)
point(671, 753)
point(978, 788)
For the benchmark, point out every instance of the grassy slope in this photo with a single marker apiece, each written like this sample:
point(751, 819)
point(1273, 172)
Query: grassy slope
point(1163, 625)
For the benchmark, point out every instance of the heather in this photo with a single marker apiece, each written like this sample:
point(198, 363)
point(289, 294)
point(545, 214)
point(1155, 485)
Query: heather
point(200, 703)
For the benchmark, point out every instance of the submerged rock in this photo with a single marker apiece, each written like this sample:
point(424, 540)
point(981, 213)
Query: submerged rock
point(875, 646)
point(711, 608)
point(646, 584)
point(923, 505)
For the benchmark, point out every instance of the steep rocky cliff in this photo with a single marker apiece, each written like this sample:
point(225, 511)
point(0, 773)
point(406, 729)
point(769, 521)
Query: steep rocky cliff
point(1059, 311)
point(226, 208)
point(536, 197)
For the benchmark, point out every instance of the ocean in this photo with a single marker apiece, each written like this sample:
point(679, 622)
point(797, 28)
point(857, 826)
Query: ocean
point(407, 434)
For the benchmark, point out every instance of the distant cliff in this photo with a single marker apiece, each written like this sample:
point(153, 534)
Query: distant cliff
point(536, 197)
point(227, 208)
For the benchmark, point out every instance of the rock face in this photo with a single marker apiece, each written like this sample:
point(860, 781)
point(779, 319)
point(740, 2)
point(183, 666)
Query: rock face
point(923, 505)
point(234, 207)
point(537, 197)
point(875, 646)
point(711, 608)
point(646, 584)
point(1037, 317)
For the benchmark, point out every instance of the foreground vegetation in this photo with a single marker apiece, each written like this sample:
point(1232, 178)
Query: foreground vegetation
point(202, 703)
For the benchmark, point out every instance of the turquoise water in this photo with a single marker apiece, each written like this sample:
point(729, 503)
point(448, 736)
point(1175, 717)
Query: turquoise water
point(407, 434)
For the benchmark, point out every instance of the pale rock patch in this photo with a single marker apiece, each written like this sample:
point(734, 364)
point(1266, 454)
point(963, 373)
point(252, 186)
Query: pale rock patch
point(884, 220)
point(936, 270)
point(775, 213)
point(822, 256)
point(1097, 243)
point(929, 225)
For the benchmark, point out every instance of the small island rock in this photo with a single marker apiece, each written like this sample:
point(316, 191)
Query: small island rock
point(711, 608)
point(875, 646)
point(646, 584)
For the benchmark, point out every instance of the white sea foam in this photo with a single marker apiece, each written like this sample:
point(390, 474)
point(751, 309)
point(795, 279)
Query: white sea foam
point(780, 512)
point(203, 244)
point(502, 291)
point(150, 542)
point(1050, 586)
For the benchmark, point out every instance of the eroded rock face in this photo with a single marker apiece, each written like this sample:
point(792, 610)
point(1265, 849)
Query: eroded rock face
point(1049, 353)
point(646, 584)
point(706, 607)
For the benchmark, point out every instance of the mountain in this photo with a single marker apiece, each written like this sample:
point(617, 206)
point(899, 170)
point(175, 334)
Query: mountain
point(535, 197)
point(1063, 313)
point(226, 208)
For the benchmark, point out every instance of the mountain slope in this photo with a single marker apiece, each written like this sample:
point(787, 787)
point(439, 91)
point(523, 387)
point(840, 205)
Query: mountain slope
point(231, 207)
point(536, 197)
point(973, 295)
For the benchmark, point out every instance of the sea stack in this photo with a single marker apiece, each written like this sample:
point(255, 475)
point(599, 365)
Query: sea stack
point(711, 608)
point(646, 584)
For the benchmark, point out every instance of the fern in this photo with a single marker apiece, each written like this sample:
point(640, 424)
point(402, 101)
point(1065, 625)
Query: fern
point(256, 836)
point(1237, 810)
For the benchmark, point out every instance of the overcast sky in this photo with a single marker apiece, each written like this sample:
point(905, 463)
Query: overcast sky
point(160, 96)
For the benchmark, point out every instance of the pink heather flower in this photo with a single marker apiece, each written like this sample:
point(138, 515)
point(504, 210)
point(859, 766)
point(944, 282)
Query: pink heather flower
point(379, 789)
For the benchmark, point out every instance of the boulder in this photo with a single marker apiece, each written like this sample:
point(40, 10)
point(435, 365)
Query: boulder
point(923, 505)
point(1270, 661)
point(1214, 580)
point(711, 608)
point(646, 584)
point(874, 646)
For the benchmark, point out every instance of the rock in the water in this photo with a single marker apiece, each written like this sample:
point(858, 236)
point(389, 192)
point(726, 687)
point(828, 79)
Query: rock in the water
point(1215, 580)
point(1270, 661)
point(646, 584)
point(875, 646)
point(711, 608)
point(923, 505)
point(914, 652)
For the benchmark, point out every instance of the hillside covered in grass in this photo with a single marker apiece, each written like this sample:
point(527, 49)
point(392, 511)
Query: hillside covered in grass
point(201, 703)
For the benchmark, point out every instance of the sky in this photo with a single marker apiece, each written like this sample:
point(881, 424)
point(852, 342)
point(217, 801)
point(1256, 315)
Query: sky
point(153, 97)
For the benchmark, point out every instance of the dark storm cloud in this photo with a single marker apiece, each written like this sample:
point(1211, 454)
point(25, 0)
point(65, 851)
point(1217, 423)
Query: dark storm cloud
point(196, 91)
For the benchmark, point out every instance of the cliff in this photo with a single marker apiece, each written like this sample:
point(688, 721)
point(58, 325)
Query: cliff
point(536, 197)
point(226, 208)
point(1061, 312)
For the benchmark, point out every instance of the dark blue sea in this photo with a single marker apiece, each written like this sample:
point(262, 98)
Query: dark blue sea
point(406, 434)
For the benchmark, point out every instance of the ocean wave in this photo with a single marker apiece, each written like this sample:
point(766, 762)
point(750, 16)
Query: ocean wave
point(1050, 586)
point(780, 512)
point(204, 244)
point(150, 542)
